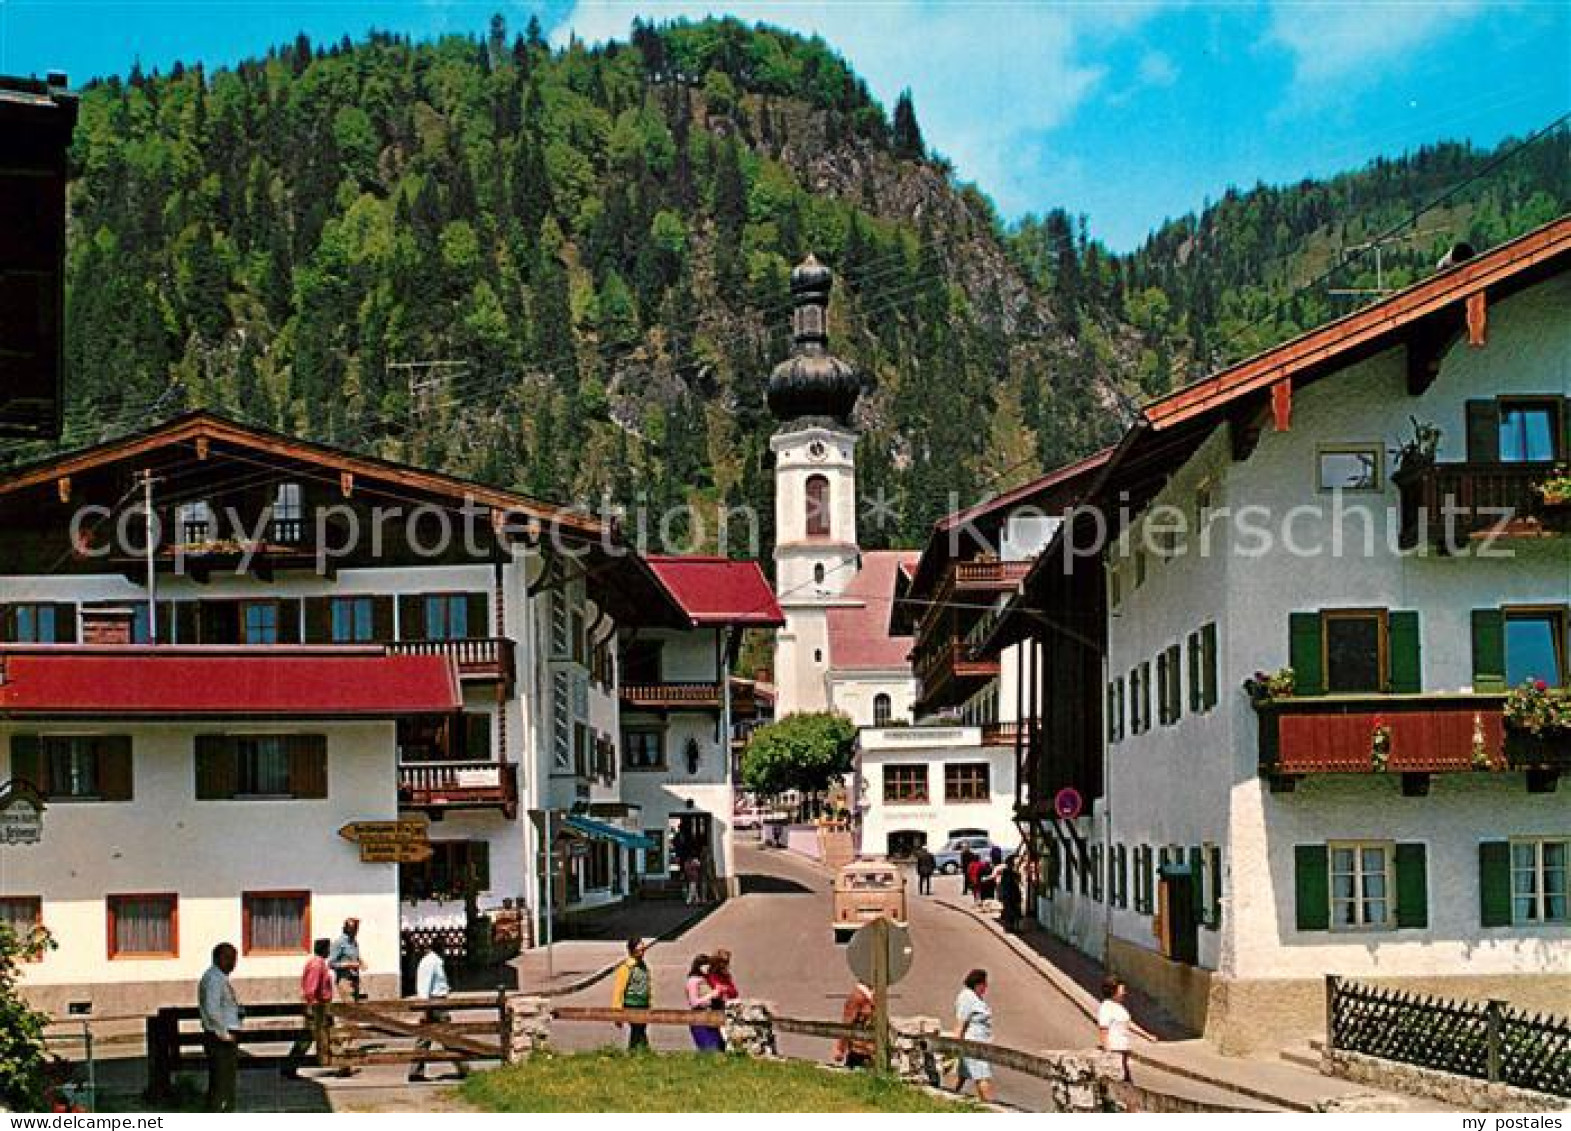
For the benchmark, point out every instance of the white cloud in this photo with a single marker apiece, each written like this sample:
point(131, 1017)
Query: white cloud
point(1157, 69)
point(990, 80)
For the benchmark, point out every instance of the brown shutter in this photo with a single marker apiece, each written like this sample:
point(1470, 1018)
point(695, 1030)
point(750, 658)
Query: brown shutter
point(382, 619)
point(477, 625)
point(65, 623)
point(217, 767)
point(187, 623)
point(114, 767)
point(318, 620)
point(26, 765)
point(308, 765)
point(411, 617)
point(289, 621)
point(477, 736)
point(1483, 432)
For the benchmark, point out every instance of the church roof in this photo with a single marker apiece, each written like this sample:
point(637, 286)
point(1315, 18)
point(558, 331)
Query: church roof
point(859, 636)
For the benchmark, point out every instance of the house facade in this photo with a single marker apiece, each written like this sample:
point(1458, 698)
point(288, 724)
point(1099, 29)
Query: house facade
point(920, 786)
point(1312, 620)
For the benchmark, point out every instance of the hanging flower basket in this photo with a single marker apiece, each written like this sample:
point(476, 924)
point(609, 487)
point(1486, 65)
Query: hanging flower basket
point(1555, 491)
point(1380, 744)
point(1538, 710)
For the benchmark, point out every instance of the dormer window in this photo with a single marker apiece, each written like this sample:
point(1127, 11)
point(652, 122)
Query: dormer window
point(288, 513)
point(817, 506)
point(194, 522)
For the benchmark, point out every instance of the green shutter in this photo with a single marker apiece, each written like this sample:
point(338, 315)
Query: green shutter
point(25, 763)
point(1193, 646)
point(1216, 886)
point(1304, 654)
point(1494, 883)
point(1311, 887)
point(1412, 887)
point(1483, 432)
point(1489, 650)
point(318, 620)
point(1406, 658)
point(1197, 886)
point(1208, 665)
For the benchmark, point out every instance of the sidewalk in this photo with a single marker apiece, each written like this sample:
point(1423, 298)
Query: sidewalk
point(577, 963)
point(1078, 978)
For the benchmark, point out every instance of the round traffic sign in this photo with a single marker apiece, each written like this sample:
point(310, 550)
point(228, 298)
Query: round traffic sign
point(898, 952)
point(1068, 804)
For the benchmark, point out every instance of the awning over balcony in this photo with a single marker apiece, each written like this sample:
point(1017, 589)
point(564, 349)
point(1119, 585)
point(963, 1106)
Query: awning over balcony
point(599, 830)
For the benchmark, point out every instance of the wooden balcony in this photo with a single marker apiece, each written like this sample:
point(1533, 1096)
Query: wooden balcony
point(480, 659)
point(1002, 734)
point(971, 577)
point(949, 672)
point(1450, 503)
point(690, 695)
point(200, 549)
point(1429, 734)
point(445, 786)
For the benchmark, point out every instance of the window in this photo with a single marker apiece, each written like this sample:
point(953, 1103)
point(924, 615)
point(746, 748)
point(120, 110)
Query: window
point(144, 926)
point(1169, 686)
point(1361, 886)
point(194, 523)
point(21, 915)
point(1144, 706)
point(905, 785)
point(597, 866)
point(1538, 881)
point(654, 856)
point(263, 765)
point(456, 867)
point(881, 708)
point(1140, 568)
point(40, 623)
point(965, 781)
point(275, 922)
point(260, 766)
point(446, 616)
point(288, 513)
point(353, 620)
point(1535, 642)
point(1529, 431)
point(641, 662)
point(1355, 650)
point(1351, 468)
point(259, 622)
point(1115, 586)
point(643, 749)
point(74, 767)
point(817, 506)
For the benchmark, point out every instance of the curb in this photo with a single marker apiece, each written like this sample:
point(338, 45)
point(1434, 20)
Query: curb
point(1082, 1001)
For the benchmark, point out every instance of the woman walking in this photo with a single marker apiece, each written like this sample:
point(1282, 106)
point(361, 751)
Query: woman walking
point(974, 1022)
point(701, 996)
point(1114, 1025)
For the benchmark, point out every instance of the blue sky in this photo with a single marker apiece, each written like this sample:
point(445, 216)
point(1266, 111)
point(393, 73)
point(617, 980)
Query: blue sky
point(1128, 111)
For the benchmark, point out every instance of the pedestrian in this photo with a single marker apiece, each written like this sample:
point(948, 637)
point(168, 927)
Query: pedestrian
point(974, 1022)
point(1011, 894)
point(221, 1017)
point(316, 994)
point(692, 877)
point(344, 960)
point(702, 996)
point(974, 875)
point(634, 989)
point(720, 976)
point(431, 984)
point(1114, 1025)
point(925, 866)
point(859, 1010)
point(967, 858)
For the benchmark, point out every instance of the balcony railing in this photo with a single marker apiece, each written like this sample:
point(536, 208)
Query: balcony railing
point(973, 576)
point(1452, 502)
point(1427, 734)
point(690, 695)
point(479, 658)
point(1002, 734)
point(459, 785)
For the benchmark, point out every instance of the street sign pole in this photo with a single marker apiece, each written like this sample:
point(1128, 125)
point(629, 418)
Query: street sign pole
point(880, 927)
point(549, 901)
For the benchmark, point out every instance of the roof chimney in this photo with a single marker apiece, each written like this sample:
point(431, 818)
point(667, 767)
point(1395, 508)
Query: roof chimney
point(1459, 253)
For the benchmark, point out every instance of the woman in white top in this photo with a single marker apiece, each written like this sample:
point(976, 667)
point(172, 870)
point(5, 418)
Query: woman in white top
point(974, 1022)
point(1115, 1026)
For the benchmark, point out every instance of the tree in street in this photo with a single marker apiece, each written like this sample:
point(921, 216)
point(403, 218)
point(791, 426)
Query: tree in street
point(804, 753)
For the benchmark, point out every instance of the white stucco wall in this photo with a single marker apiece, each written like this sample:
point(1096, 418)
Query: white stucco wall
point(932, 747)
point(852, 694)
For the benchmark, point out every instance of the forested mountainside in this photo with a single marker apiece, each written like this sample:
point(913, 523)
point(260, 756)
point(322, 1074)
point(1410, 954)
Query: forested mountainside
point(566, 271)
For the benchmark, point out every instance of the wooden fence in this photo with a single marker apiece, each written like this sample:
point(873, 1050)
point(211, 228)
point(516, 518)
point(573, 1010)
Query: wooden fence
point(1484, 1040)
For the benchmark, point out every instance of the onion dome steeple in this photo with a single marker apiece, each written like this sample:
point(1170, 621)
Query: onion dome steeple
point(812, 384)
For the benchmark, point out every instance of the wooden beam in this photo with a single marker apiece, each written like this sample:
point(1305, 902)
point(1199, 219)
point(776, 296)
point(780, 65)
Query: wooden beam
point(1282, 405)
point(1477, 319)
point(63, 488)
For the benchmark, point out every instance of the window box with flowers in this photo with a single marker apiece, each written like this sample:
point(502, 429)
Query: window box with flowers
point(1538, 726)
point(1380, 744)
point(1263, 687)
point(1554, 492)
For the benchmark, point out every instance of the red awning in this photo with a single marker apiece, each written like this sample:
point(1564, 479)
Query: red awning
point(715, 590)
point(223, 682)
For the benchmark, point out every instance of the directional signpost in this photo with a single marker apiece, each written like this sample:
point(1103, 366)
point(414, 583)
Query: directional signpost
point(880, 954)
point(389, 842)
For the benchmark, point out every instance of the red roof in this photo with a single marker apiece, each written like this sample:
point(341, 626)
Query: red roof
point(222, 682)
point(714, 590)
point(859, 637)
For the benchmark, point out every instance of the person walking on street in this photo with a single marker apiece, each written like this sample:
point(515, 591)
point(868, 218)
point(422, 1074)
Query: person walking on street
point(221, 1017)
point(967, 858)
point(692, 878)
point(702, 996)
point(974, 874)
point(1114, 1025)
point(853, 1052)
point(925, 867)
point(316, 994)
point(344, 961)
point(634, 989)
point(1011, 895)
point(974, 1022)
point(431, 984)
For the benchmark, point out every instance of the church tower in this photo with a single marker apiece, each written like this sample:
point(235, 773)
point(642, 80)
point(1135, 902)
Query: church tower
point(812, 393)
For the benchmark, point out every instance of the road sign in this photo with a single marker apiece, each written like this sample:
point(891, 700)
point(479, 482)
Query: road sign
point(898, 953)
point(389, 842)
point(1068, 803)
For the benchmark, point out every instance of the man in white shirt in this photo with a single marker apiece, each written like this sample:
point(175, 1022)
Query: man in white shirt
point(1115, 1026)
point(431, 984)
point(220, 1012)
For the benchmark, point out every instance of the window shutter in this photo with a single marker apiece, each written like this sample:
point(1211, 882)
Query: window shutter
point(477, 626)
point(217, 767)
point(1161, 689)
point(1175, 689)
point(65, 623)
point(318, 620)
point(1406, 656)
point(1412, 887)
point(411, 617)
point(1494, 883)
point(1143, 878)
point(1208, 665)
point(381, 619)
point(187, 623)
point(1489, 650)
point(25, 763)
point(114, 768)
point(477, 736)
point(308, 765)
point(1195, 702)
point(1303, 630)
point(1483, 432)
point(1197, 864)
point(1311, 887)
point(1112, 703)
point(1216, 886)
point(480, 863)
point(289, 621)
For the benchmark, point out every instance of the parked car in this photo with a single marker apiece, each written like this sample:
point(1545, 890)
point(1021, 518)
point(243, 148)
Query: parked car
point(865, 890)
point(947, 858)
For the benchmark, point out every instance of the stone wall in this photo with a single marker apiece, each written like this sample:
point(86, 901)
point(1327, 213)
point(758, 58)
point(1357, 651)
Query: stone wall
point(1461, 1091)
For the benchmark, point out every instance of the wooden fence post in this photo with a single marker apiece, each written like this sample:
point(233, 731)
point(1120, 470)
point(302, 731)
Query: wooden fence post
point(158, 1072)
point(504, 1025)
point(1494, 1016)
point(1332, 985)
